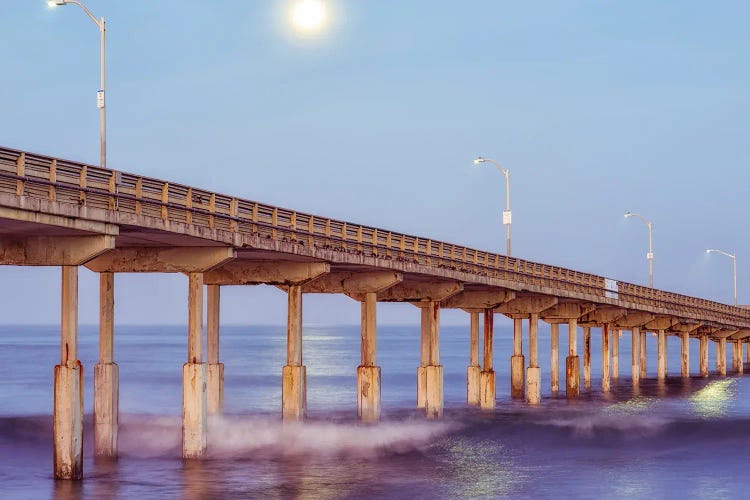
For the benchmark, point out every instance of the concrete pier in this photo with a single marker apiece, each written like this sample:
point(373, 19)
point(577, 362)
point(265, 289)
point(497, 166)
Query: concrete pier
point(67, 427)
point(473, 370)
point(533, 373)
point(685, 353)
point(572, 363)
point(554, 357)
point(615, 344)
point(106, 374)
point(517, 361)
point(703, 355)
point(642, 353)
point(661, 355)
point(635, 344)
point(430, 372)
point(487, 392)
point(721, 356)
point(586, 357)
point(368, 372)
point(737, 365)
point(215, 370)
point(294, 386)
point(194, 374)
point(605, 359)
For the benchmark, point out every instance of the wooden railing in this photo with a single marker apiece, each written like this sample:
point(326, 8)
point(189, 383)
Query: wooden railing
point(38, 176)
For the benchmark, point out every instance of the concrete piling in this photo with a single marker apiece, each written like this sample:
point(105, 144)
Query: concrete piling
point(517, 361)
point(533, 373)
point(473, 370)
point(685, 353)
point(487, 376)
point(605, 359)
point(368, 373)
point(703, 355)
point(572, 362)
point(194, 375)
point(642, 353)
point(430, 372)
point(106, 375)
point(615, 345)
point(721, 356)
point(661, 355)
point(294, 377)
point(586, 357)
point(67, 428)
point(554, 357)
point(635, 343)
point(214, 369)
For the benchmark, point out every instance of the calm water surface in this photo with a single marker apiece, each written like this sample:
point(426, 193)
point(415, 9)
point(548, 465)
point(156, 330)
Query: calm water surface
point(682, 439)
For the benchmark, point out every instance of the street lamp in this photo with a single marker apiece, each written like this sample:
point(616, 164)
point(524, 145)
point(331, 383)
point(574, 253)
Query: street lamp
point(102, 25)
point(650, 254)
point(507, 219)
point(734, 261)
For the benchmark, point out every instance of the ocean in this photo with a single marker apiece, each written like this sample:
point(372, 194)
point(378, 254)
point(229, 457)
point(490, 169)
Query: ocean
point(680, 439)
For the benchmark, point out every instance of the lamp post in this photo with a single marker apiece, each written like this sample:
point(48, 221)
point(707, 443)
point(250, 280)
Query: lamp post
point(650, 254)
point(734, 262)
point(102, 25)
point(507, 219)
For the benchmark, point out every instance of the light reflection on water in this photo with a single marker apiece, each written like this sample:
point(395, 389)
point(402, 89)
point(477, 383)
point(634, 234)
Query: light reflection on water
point(714, 400)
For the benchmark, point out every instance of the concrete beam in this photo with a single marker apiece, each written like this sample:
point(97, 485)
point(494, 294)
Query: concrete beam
point(603, 315)
point(478, 299)
point(161, 260)
point(525, 305)
point(633, 319)
point(77, 224)
point(416, 291)
point(565, 311)
point(742, 334)
point(250, 272)
point(688, 327)
point(660, 323)
point(352, 283)
point(53, 251)
point(725, 333)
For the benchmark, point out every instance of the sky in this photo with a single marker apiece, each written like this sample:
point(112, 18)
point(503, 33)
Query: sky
point(596, 107)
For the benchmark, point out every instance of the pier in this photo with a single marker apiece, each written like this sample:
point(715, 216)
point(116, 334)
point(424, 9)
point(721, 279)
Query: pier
point(55, 212)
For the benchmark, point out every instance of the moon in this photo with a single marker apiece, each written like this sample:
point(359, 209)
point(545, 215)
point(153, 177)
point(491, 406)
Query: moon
point(309, 16)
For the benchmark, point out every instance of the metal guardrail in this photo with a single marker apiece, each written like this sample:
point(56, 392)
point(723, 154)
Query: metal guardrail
point(54, 179)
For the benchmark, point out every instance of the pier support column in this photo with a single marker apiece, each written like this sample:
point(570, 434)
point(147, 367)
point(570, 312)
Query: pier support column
point(517, 361)
point(747, 359)
point(685, 351)
point(487, 376)
point(533, 373)
point(703, 354)
point(615, 363)
point(215, 370)
point(368, 372)
point(430, 373)
point(67, 427)
point(554, 357)
point(572, 362)
point(586, 357)
point(661, 355)
point(721, 356)
point(737, 366)
point(294, 378)
point(635, 344)
point(194, 396)
point(643, 354)
point(473, 370)
point(605, 359)
point(106, 374)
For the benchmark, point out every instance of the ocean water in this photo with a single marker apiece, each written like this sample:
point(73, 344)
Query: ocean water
point(679, 439)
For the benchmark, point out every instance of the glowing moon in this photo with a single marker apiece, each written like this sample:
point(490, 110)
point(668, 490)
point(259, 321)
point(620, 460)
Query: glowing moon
point(309, 16)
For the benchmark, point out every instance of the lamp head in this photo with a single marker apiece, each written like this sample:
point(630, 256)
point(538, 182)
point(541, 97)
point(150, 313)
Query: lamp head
point(628, 214)
point(479, 160)
point(56, 3)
